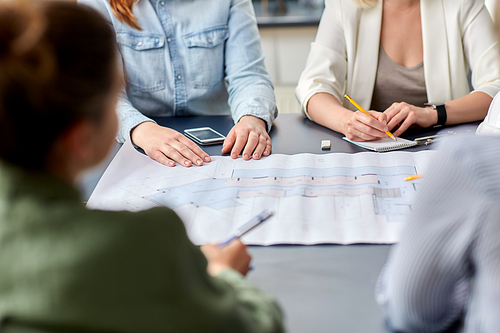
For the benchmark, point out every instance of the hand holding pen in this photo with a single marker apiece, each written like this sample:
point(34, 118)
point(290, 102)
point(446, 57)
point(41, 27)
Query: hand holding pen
point(233, 256)
point(232, 252)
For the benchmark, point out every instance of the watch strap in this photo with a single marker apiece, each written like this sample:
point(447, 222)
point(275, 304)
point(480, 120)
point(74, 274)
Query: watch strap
point(441, 113)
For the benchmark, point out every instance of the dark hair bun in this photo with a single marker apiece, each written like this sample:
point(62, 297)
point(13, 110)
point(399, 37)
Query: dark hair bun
point(20, 28)
point(57, 66)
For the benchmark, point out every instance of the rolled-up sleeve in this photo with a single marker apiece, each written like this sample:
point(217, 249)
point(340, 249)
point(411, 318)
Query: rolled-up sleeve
point(251, 91)
point(481, 47)
point(326, 67)
point(128, 116)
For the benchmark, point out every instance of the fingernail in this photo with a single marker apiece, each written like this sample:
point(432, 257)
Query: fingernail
point(266, 152)
point(207, 159)
point(186, 163)
point(246, 156)
point(386, 129)
point(256, 156)
point(199, 162)
point(234, 155)
point(171, 163)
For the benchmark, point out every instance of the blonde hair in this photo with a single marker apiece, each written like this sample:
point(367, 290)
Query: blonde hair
point(365, 4)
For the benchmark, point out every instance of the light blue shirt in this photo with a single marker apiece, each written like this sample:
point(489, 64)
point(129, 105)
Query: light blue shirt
point(197, 57)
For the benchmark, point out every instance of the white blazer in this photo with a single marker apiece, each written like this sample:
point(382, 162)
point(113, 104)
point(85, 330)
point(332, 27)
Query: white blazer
point(491, 124)
point(458, 35)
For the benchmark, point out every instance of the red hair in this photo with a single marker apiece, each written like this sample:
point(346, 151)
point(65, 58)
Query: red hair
point(123, 11)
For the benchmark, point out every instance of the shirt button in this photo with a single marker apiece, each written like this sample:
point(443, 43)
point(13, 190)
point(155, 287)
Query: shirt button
point(139, 43)
point(162, 3)
point(169, 40)
point(179, 77)
point(209, 40)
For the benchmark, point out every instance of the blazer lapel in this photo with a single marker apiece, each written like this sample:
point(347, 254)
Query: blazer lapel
point(436, 53)
point(366, 58)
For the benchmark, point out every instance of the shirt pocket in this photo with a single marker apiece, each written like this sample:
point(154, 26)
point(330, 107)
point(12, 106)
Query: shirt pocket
point(144, 60)
point(205, 51)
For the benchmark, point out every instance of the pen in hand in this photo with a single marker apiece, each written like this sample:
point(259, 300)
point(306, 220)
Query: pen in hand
point(257, 220)
point(366, 112)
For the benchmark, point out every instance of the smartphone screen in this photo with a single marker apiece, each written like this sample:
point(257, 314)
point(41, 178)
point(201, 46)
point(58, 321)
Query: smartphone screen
point(204, 135)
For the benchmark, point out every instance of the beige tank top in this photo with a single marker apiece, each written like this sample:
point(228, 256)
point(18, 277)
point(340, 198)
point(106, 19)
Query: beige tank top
point(396, 83)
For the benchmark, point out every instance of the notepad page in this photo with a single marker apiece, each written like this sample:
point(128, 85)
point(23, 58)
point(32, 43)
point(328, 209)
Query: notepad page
point(385, 144)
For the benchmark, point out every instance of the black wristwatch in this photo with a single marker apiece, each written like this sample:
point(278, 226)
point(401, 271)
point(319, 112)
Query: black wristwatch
point(441, 113)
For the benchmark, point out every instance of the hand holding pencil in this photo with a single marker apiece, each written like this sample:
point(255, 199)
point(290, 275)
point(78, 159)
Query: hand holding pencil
point(373, 126)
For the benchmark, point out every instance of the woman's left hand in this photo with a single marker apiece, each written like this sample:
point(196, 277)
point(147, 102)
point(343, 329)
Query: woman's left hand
point(250, 132)
point(405, 115)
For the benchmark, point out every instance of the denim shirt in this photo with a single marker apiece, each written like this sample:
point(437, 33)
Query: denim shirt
point(197, 57)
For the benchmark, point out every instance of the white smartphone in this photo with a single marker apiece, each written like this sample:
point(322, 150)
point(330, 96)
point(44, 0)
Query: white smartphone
point(204, 135)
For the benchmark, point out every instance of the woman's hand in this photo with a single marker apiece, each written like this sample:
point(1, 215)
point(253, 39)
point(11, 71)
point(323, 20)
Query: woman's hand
point(405, 115)
point(233, 256)
point(166, 145)
point(361, 127)
point(250, 132)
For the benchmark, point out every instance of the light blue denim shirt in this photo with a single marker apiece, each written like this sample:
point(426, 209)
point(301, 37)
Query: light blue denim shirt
point(196, 57)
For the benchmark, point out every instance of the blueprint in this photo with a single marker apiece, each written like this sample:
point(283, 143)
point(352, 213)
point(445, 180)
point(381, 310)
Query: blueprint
point(327, 198)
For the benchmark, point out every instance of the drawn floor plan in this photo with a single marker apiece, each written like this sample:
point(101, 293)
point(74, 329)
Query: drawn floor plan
point(331, 198)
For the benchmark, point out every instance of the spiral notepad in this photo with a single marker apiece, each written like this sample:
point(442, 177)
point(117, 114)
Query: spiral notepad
point(385, 144)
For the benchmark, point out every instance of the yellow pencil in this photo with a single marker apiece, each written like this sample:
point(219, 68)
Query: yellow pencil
point(364, 111)
point(413, 177)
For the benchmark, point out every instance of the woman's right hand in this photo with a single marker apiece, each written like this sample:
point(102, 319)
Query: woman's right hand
point(326, 110)
point(361, 127)
point(167, 146)
point(234, 256)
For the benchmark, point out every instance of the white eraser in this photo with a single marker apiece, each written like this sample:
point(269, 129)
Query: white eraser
point(325, 144)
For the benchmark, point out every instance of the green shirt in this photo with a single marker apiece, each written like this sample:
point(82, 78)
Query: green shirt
point(65, 268)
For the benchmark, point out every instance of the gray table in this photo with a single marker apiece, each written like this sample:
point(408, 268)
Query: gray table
point(322, 288)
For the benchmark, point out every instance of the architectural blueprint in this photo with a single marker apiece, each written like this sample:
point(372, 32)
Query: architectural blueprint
point(328, 198)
